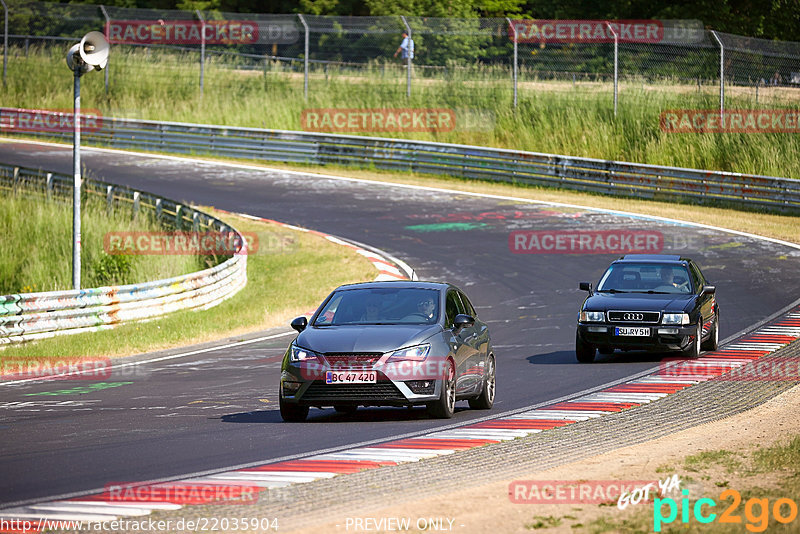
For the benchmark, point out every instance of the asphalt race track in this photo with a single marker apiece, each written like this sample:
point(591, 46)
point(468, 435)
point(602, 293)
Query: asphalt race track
point(219, 408)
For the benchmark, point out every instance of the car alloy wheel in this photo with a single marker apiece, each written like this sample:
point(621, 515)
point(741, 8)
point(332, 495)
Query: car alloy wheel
point(485, 400)
point(693, 350)
point(712, 343)
point(445, 406)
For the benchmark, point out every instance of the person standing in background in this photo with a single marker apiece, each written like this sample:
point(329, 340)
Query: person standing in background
point(406, 48)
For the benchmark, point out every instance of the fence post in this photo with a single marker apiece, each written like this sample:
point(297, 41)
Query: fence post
point(5, 40)
point(721, 74)
point(108, 27)
point(409, 53)
point(109, 198)
point(202, 49)
point(305, 57)
point(514, 68)
point(135, 209)
point(616, 64)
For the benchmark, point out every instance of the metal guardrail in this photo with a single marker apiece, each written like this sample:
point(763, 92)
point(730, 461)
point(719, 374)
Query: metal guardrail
point(464, 161)
point(29, 316)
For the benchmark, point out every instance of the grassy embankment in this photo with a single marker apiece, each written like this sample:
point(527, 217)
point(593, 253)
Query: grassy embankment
point(288, 275)
point(553, 117)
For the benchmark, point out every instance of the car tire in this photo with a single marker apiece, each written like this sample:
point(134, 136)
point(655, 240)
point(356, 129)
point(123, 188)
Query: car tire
point(345, 408)
point(693, 351)
point(712, 343)
point(445, 406)
point(584, 351)
point(292, 413)
point(485, 400)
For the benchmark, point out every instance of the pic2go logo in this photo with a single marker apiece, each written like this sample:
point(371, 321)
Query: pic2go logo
point(756, 511)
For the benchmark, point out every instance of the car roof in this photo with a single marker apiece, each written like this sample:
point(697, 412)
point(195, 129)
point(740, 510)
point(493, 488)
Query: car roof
point(399, 284)
point(650, 258)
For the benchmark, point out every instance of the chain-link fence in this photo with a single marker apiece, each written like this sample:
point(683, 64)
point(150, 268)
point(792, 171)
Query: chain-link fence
point(513, 57)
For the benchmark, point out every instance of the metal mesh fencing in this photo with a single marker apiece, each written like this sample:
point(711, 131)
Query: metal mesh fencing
point(466, 56)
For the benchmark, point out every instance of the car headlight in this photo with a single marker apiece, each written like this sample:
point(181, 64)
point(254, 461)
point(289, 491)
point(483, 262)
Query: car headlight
point(301, 355)
point(675, 318)
point(416, 353)
point(592, 317)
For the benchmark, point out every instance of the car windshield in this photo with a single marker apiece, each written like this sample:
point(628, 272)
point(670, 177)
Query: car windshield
point(380, 306)
point(645, 278)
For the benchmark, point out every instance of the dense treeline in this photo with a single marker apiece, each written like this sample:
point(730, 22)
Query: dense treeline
point(773, 19)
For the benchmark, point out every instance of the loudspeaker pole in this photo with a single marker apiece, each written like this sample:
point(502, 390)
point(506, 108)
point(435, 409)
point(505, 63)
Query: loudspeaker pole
point(76, 182)
point(90, 53)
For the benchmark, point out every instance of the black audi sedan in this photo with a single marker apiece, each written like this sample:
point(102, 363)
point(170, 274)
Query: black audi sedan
point(397, 343)
point(648, 302)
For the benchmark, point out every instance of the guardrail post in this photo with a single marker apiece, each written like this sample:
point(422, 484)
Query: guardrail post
point(135, 204)
point(202, 49)
point(5, 40)
point(514, 68)
point(14, 179)
point(721, 74)
point(409, 53)
point(195, 222)
point(616, 64)
point(178, 217)
point(108, 25)
point(159, 209)
point(109, 197)
point(49, 185)
point(305, 57)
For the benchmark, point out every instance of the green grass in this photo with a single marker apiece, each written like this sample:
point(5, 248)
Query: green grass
point(36, 247)
point(289, 275)
point(552, 117)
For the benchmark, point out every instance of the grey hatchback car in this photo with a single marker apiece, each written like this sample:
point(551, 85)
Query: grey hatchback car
point(397, 343)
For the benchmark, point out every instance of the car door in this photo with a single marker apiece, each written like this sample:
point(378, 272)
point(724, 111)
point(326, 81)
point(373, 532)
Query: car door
point(460, 342)
point(477, 337)
point(706, 302)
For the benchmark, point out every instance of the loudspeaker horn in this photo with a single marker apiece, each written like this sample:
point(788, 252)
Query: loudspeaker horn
point(94, 50)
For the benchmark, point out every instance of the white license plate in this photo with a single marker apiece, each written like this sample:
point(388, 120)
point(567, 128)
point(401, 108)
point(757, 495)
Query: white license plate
point(351, 377)
point(636, 331)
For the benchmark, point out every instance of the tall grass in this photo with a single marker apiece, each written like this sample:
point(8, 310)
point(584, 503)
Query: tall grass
point(555, 117)
point(36, 246)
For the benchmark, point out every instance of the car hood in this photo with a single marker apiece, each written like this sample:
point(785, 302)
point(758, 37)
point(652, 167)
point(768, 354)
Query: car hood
point(638, 302)
point(364, 338)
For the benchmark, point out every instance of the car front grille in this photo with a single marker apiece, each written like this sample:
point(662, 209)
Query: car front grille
point(339, 360)
point(381, 391)
point(634, 316)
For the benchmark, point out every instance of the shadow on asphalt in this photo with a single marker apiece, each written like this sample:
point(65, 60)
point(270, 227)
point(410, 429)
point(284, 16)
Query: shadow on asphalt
point(362, 415)
point(568, 357)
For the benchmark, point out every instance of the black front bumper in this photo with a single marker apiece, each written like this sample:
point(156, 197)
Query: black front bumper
point(661, 339)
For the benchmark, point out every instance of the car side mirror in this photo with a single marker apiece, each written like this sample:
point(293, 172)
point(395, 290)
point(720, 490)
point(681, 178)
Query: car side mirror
point(585, 286)
point(709, 290)
point(299, 323)
point(462, 320)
